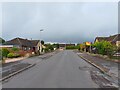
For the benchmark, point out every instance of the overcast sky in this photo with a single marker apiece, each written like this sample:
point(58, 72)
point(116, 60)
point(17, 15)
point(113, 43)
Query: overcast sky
point(62, 22)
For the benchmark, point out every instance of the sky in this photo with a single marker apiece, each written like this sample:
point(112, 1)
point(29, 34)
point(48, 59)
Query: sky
point(64, 22)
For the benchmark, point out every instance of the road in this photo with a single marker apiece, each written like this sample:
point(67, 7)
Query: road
point(59, 71)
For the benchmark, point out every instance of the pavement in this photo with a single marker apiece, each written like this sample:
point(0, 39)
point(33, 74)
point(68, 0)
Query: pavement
point(62, 70)
point(109, 67)
point(14, 59)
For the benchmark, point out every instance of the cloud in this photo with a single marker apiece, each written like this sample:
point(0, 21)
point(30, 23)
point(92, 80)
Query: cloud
point(62, 22)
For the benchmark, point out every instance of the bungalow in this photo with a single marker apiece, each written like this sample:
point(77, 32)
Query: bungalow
point(70, 44)
point(36, 45)
point(115, 39)
point(24, 44)
point(63, 46)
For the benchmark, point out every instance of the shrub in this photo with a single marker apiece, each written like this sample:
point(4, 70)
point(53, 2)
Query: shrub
point(50, 47)
point(10, 55)
point(15, 49)
point(46, 49)
point(82, 47)
point(22, 53)
point(5, 52)
point(104, 48)
point(16, 55)
point(13, 55)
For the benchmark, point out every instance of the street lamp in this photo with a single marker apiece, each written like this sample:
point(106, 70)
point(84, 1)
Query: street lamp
point(40, 41)
point(41, 29)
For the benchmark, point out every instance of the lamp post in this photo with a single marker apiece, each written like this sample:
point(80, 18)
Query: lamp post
point(40, 41)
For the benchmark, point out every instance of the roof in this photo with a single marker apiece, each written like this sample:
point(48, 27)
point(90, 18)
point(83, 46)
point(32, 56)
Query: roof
point(70, 44)
point(101, 38)
point(112, 38)
point(62, 45)
point(21, 42)
point(35, 42)
point(117, 38)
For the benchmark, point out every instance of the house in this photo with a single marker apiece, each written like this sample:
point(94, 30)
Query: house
point(24, 44)
point(87, 46)
point(70, 44)
point(36, 45)
point(114, 39)
point(62, 46)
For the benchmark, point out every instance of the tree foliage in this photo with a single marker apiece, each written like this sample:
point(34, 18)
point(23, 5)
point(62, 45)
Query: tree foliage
point(42, 42)
point(82, 46)
point(104, 48)
point(2, 40)
point(5, 52)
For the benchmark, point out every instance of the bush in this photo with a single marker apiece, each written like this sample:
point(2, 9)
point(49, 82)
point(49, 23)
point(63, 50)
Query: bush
point(15, 49)
point(104, 48)
point(22, 53)
point(13, 55)
point(51, 47)
point(46, 49)
point(82, 47)
point(10, 55)
point(5, 52)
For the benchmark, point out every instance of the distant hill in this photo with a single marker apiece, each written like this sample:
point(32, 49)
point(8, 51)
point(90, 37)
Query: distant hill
point(1, 40)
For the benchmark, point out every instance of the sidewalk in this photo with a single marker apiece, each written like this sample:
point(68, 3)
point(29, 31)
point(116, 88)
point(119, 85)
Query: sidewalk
point(108, 66)
point(30, 60)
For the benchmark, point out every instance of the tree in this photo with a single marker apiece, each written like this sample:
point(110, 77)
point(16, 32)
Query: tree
point(1, 54)
point(42, 42)
point(55, 46)
point(49, 47)
point(104, 48)
point(82, 47)
point(5, 52)
point(2, 40)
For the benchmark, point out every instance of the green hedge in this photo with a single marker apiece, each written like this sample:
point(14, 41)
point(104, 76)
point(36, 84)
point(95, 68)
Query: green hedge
point(72, 47)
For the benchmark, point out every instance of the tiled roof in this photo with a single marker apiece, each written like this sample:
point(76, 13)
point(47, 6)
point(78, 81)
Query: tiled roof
point(21, 42)
point(117, 38)
point(101, 38)
point(113, 38)
point(35, 42)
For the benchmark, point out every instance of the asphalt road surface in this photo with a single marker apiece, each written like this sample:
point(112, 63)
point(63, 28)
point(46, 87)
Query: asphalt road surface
point(59, 71)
